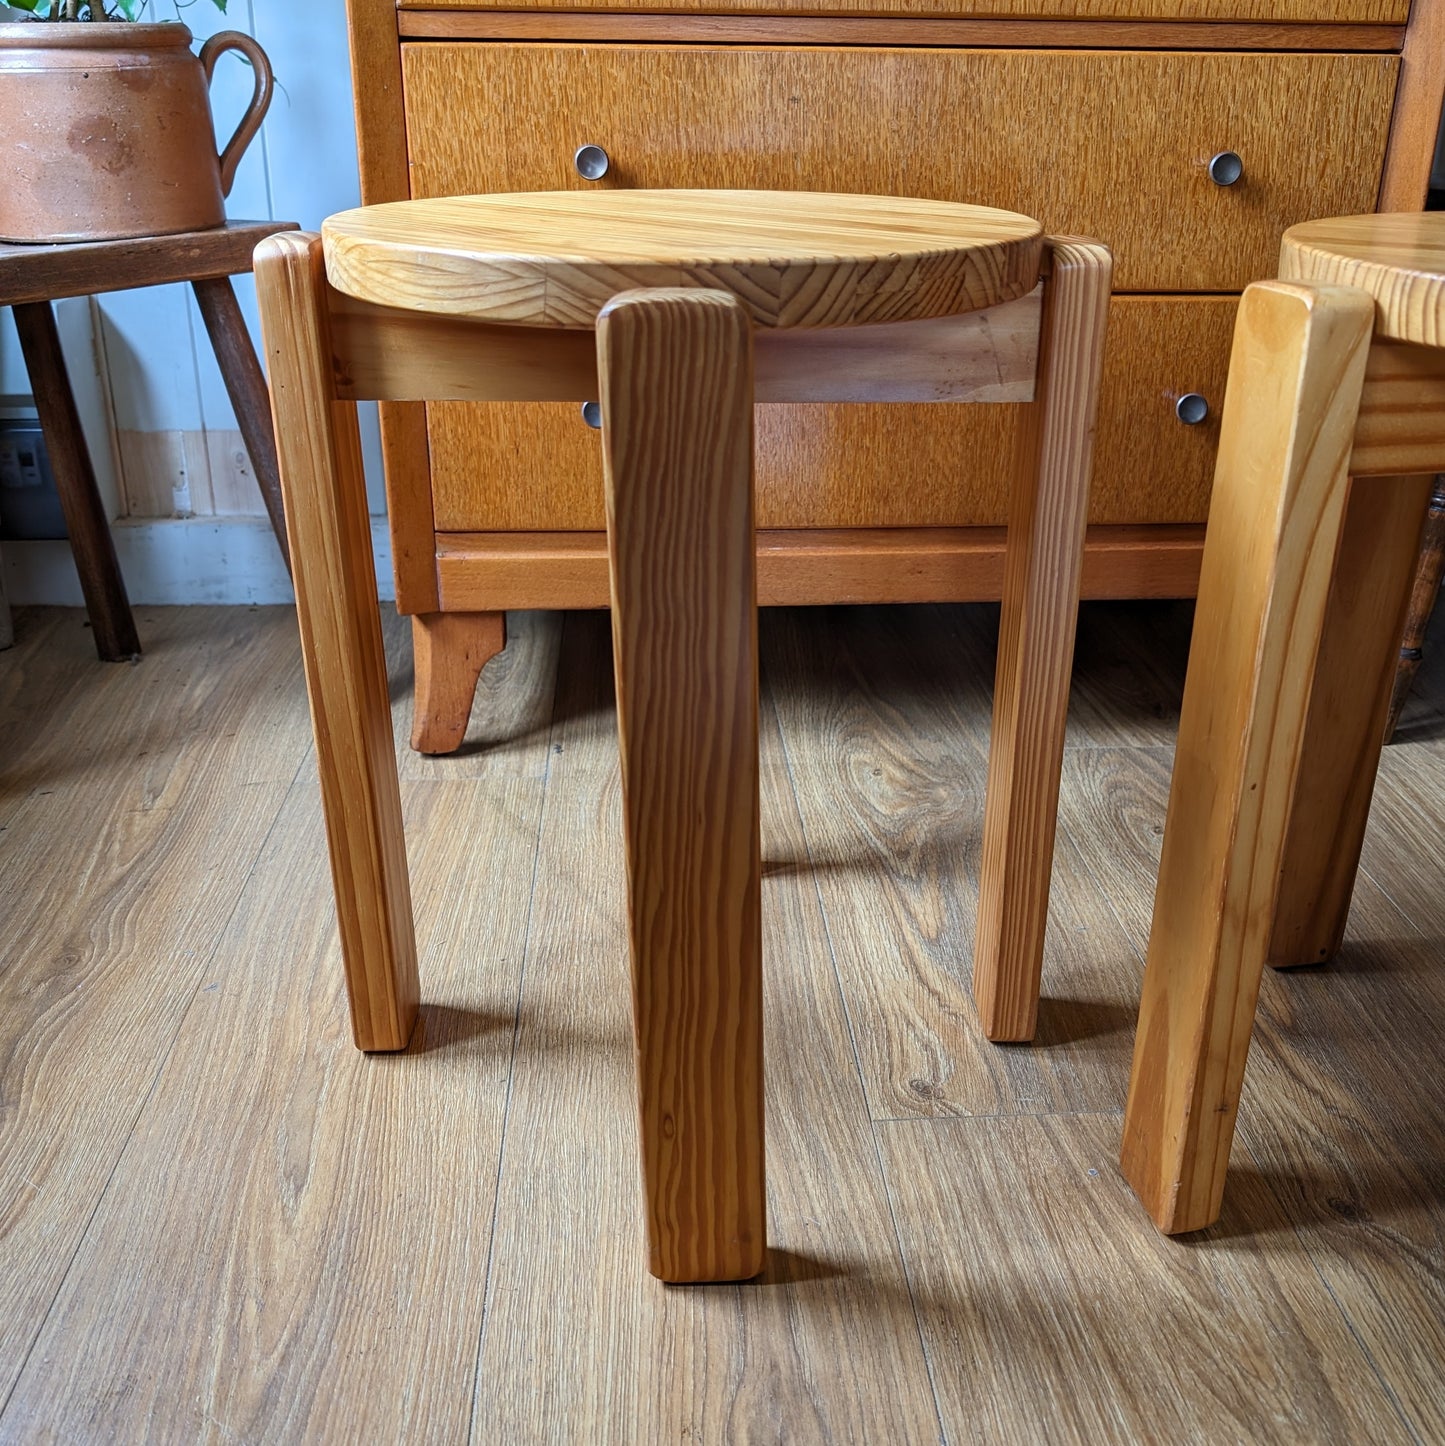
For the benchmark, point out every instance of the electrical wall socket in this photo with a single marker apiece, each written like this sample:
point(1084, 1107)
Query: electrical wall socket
point(29, 504)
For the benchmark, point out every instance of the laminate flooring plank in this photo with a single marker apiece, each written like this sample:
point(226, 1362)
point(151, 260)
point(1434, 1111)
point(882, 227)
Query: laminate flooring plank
point(223, 680)
point(115, 897)
point(1347, 1124)
point(884, 715)
point(289, 1241)
point(140, 803)
point(1054, 1311)
point(1355, 1131)
point(293, 1246)
point(1129, 660)
point(1337, 1114)
point(1405, 838)
point(582, 744)
point(39, 678)
point(37, 671)
point(512, 715)
point(1112, 803)
point(580, 1344)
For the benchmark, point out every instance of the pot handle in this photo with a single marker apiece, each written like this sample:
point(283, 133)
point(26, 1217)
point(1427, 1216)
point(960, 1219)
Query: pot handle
point(250, 123)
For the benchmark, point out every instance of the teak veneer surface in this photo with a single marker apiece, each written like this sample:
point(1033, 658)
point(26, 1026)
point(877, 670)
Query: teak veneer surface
point(931, 124)
point(1129, 168)
point(803, 259)
point(1399, 260)
point(481, 570)
point(1349, 11)
point(874, 30)
point(822, 465)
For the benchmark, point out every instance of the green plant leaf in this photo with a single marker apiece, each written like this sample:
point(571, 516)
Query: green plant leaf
point(34, 7)
point(129, 8)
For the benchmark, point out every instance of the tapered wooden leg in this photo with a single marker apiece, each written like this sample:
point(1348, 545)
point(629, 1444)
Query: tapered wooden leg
point(1295, 377)
point(246, 387)
point(449, 651)
point(1047, 513)
point(676, 379)
point(1348, 708)
point(106, 603)
point(1424, 594)
point(336, 606)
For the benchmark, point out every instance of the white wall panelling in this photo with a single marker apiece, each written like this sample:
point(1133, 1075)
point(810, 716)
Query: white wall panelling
point(177, 560)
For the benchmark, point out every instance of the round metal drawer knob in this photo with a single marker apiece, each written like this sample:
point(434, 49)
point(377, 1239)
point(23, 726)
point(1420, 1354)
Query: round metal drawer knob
point(1191, 409)
point(592, 413)
point(1224, 169)
point(591, 162)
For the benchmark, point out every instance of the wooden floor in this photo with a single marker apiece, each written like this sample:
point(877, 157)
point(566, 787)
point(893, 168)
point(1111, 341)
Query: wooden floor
point(219, 1223)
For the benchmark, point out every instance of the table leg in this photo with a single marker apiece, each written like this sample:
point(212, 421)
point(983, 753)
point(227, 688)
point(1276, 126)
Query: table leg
point(1345, 731)
point(246, 386)
point(449, 651)
point(676, 374)
point(1047, 512)
point(341, 645)
point(1280, 487)
point(90, 540)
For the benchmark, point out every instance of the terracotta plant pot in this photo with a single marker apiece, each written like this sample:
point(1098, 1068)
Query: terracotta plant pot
point(105, 130)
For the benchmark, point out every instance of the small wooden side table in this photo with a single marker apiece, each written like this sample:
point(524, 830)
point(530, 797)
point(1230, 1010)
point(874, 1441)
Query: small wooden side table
point(31, 277)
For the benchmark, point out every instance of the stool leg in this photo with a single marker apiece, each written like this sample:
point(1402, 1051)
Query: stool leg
point(676, 379)
point(449, 651)
point(1047, 513)
point(336, 606)
point(246, 388)
point(1295, 377)
point(1348, 710)
point(106, 602)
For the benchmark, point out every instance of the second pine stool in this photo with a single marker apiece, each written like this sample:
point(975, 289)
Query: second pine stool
point(1333, 424)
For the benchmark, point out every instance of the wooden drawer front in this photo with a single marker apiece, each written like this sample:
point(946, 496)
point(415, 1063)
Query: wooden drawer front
point(1388, 12)
point(1113, 145)
point(538, 468)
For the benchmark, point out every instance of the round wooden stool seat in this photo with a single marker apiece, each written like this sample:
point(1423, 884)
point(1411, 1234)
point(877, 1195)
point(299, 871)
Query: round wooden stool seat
point(793, 259)
point(1399, 260)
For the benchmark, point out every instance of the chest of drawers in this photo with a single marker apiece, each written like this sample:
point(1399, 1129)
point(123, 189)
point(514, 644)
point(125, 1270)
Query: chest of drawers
point(1099, 117)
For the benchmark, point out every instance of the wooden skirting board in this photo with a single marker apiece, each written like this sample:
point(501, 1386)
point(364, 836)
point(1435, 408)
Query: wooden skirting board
point(490, 572)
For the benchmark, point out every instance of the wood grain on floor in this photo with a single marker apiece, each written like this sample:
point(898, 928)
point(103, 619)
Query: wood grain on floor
point(219, 1223)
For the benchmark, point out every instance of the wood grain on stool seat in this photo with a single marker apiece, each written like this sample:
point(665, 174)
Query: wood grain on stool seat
point(793, 259)
point(1399, 260)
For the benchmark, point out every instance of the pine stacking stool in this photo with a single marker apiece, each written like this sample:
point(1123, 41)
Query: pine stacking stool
point(680, 309)
point(1333, 423)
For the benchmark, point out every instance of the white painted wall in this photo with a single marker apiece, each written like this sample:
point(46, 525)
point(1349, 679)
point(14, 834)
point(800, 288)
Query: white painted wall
point(162, 374)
